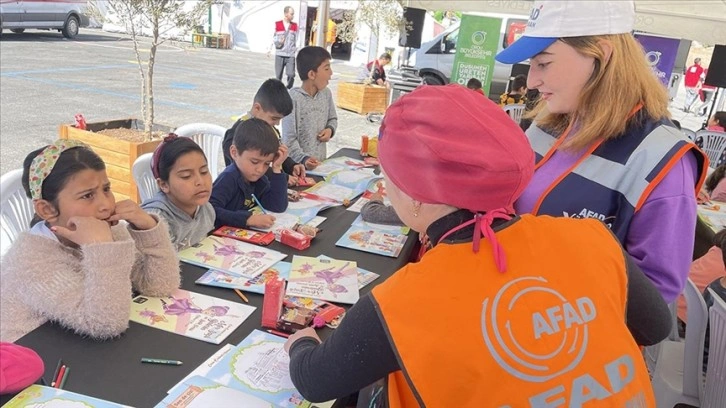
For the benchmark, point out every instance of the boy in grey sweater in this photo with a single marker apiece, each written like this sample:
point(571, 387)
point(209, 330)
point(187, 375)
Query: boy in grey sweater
point(313, 120)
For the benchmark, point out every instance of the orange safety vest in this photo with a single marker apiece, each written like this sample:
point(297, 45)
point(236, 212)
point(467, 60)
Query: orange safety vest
point(550, 331)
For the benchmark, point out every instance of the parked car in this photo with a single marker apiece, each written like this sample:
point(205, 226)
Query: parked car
point(65, 16)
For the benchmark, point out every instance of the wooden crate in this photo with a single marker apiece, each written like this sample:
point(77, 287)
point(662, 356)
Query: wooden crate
point(362, 98)
point(119, 155)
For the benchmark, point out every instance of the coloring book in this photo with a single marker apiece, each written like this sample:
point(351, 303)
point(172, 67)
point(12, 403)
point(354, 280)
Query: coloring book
point(379, 239)
point(191, 314)
point(200, 392)
point(356, 180)
point(325, 279)
point(339, 163)
point(259, 366)
point(231, 255)
point(255, 285)
point(39, 396)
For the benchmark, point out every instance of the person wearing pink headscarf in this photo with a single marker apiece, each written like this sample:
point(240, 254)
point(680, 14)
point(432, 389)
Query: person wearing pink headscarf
point(502, 309)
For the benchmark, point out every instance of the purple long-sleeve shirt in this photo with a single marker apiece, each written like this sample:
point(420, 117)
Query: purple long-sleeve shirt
point(660, 237)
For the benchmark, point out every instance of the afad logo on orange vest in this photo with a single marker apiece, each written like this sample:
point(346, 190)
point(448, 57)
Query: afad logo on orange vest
point(524, 347)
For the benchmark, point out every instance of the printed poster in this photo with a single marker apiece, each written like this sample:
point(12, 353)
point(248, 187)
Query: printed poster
point(476, 47)
point(190, 314)
point(660, 53)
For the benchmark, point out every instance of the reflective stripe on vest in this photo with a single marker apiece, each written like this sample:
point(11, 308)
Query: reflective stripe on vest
point(548, 332)
point(613, 182)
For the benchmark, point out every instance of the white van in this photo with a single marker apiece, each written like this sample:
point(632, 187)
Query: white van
point(64, 16)
point(435, 59)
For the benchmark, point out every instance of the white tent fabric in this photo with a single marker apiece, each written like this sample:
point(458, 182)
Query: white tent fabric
point(700, 20)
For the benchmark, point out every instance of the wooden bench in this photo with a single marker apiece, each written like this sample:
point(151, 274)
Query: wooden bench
point(218, 40)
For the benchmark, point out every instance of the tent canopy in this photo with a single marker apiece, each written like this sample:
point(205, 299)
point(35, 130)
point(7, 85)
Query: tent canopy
point(700, 20)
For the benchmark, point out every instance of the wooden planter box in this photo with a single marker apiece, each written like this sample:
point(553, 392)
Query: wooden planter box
point(362, 98)
point(119, 155)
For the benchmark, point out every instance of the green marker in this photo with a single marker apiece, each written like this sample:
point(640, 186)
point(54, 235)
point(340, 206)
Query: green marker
point(160, 361)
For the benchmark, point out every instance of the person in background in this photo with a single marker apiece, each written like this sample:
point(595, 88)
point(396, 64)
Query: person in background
point(719, 288)
point(705, 270)
point(581, 53)
point(20, 367)
point(517, 94)
point(715, 185)
point(272, 102)
point(717, 122)
point(313, 120)
point(84, 255)
point(475, 85)
point(375, 70)
point(492, 272)
point(692, 82)
point(707, 92)
point(185, 184)
point(285, 44)
point(256, 148)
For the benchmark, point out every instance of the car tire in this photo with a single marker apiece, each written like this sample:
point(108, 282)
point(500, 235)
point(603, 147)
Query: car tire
point(70, 28)
point(17, 30)
point(432, 79)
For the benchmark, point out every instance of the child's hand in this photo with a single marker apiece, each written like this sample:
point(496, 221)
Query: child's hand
point(260, 221)
point(131, 212)
point(85, 230)
point(298, 170)
point(311, 163)
point(291, 181)
point(279, 158)
point(377, 196)
point(306, 332)
point(325, 135)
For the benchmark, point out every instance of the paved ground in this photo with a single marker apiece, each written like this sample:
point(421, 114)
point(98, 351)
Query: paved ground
point(45, 80)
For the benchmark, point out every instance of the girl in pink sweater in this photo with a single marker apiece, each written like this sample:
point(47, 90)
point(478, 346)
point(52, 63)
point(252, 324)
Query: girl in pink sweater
point(84, 254)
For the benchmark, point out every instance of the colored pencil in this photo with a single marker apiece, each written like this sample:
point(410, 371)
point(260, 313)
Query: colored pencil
point(65, 377)
point(259, 204)
point(60, 376)
point(242, 295)
point(55, 373)
point(160, 361)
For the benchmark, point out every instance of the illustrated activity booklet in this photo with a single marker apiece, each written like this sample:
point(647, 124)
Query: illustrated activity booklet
point(387, 240)
point(325, 279)
point(231, 255)
point(336, 164)
point(356, 180)
point(259, 366)
point(375, 186)
point(200, 392)
point(49, 397)
point(190, 314)
point(254, 285)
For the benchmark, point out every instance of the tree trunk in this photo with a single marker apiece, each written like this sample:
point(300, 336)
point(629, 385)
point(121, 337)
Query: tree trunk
point(149, 118)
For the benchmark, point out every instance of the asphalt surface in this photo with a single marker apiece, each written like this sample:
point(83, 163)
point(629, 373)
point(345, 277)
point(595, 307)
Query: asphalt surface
point(45, 80)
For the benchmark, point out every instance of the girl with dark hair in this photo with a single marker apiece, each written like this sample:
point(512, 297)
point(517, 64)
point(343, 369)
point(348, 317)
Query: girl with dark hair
point(85, 254)
point(715, 185)
point(185, 184)
point(717, 123)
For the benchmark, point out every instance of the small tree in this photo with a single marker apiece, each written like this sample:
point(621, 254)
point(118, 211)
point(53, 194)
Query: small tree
point(159, 17)
point(379, 15)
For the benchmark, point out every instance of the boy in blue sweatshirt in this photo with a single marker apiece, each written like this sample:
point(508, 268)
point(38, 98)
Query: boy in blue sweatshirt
point(256, 149)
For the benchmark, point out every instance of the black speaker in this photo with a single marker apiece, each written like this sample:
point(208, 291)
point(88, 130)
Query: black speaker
point(412, 38)
point(717, 68)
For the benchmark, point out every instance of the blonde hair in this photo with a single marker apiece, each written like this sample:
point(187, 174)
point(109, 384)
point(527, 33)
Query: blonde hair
point(615, 88)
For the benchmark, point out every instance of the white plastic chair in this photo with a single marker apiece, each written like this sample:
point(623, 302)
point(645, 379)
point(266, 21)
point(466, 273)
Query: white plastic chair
point(209, 137)
point(16, 209)
point(678, 376)
point(651, 353)
point(714, 144)
point(714, 395)
point(144, 177)
point(515, 111)
point(690, 134)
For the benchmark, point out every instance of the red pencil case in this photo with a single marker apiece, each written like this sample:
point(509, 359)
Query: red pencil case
point(295, 239)
point(253, 237)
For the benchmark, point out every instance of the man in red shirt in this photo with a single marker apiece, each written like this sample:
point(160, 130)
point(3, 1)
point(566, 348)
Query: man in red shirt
point(693, 83)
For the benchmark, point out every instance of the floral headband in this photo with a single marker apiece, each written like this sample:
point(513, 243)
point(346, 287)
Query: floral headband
point(157, 153)
point(43, 164)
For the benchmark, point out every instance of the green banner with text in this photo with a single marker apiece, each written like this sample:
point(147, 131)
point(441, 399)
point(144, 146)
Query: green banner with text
point(476, 47)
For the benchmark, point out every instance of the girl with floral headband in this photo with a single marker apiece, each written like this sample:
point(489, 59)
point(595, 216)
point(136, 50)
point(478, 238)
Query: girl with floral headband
point(84, 253)
point(182, 173)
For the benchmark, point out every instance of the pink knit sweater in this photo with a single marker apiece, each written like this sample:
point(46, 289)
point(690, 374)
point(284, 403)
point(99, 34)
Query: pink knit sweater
point(87, 289)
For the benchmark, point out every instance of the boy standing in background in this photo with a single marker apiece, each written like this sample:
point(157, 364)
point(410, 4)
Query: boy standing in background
point(313, 120)
point(256, 148)
point(272, 102)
